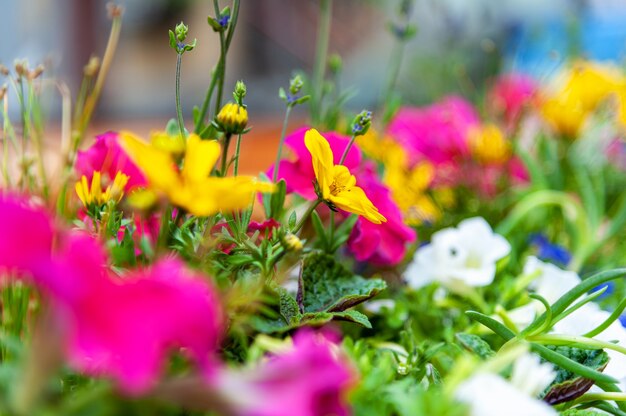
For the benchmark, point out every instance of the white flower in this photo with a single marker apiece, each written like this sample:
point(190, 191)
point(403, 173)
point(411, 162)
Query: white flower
point(490, 395)
point(531, 376)
point(552, 282)
point(459, 257)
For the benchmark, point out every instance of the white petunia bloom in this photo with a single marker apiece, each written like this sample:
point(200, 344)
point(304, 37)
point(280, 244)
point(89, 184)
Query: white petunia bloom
point(531, 376)
point(552, 283)
point(490, 395)
point(459, 258)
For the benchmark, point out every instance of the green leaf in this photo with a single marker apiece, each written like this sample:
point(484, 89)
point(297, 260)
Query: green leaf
point(289, 308)
point(292, 220)
point(214, 24)
point(567, 385)
point(475, 344)
point(581, 412)
point(328, 286)
point(173, 40)
point(353, 316)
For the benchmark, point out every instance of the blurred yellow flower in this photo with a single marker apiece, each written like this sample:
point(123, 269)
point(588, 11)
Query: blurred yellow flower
point(174, 144)
point(488, 145)
point(93, 194)
point(335, 183)
point(191, 187)
point(384, 150)
point(409, 190)
point(583, 88)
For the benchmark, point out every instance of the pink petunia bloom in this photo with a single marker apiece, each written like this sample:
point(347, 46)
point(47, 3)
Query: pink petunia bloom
point(310, 379)
point(380, 244)
point(124, 328)
point(437, 134)
point(511, 94)
point(107, 156)
point(298, 173)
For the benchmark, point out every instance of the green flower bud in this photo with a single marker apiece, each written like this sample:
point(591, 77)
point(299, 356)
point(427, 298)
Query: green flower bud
point(181, 32)
point(335, 64)
point(361, 123)
point(295, 85)
point(240, 92)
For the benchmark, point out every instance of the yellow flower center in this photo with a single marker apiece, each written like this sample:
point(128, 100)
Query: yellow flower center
point(342, 180)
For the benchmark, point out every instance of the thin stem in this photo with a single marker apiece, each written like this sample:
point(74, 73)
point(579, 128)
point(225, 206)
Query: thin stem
point(237, 149)
point(394, 71)
point(306, 215)
point(281, 143)
point(207, 101)
point(221, 69)
point(179, 108)
point(226, 144)
point(345, 152)
point(164, 230)
point(323, 38)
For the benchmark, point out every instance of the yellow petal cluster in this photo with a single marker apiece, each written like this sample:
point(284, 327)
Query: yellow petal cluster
point(583, 88)
point(192, 187)
point(92, 194)
point(488, 145)
point(232, 118)
point(336, 184)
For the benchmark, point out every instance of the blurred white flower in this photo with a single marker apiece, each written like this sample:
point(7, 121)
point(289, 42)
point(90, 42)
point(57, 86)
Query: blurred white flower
point(531, 376)
point(459, 258)
point(490, 395)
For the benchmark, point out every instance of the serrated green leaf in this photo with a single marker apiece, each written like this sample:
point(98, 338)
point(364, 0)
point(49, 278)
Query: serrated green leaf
point(353, 316)
point(293, 218)
point(289, 308)
point(328, 286)
point(475, 344)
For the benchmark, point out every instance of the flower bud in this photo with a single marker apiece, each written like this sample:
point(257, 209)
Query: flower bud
point(240, 92)
point(4, 70)
point(295, 85)
point(181, 31)
point(232, 118)
point(36, 73)
point(93, 66)
point(3, 91)
point(292, 242)
point(21, 68)
point(361, 123)
point(114, 10)
point(335, 64)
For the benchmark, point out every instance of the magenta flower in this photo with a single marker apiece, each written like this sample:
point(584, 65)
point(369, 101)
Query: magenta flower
point(298, 173)
point(437, 134)
point(511, 94)
point(124, 328)
point(380, 244)
point(311, 379)
point(108, 157)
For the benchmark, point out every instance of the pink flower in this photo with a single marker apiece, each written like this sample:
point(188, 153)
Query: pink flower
point(380, 244)
point(311, 379)
point(511, 94)
point(437, 134)
point(299, 174)
point(27, 233)
point(124, 328)
point(108, 157)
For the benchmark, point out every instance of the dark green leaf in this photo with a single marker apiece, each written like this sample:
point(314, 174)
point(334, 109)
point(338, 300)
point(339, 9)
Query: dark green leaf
point(475, 344)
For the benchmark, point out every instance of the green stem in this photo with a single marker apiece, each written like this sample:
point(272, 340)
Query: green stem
point(345, 152)
point(306, 215)
point(237, 149)
point(207, 100)
point(281, 143)
point(323, 38)
point(575, 341)
point(225, 147)
point(164, 231)
point(179, 108)
point(394, 70)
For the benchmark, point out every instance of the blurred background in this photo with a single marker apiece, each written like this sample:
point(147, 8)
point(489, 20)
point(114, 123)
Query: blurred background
point(460, 44)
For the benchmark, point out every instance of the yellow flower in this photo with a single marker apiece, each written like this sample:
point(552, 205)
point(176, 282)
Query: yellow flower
point(335, 183)
point(385, 150)
point(409, 190)
point(172, 144)
point(93, 195)
point(192, 188)
point(488, 145)
point(232, 118)
point(583, 88)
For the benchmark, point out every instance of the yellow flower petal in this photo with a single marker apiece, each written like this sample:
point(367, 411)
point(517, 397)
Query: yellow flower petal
point(322, 158)
point(354, 200)
point(157, 165)
point(200, 158)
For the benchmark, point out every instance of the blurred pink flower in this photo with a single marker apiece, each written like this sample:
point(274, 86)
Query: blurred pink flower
point(27, 233)
point(380, 244)
point(310, 379)
point(298, 173)
point(437, 134)
point(108, 157)
point(124, 327)
point(511, 94)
